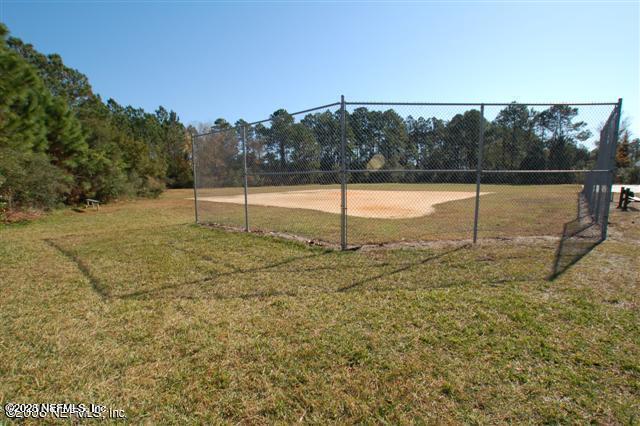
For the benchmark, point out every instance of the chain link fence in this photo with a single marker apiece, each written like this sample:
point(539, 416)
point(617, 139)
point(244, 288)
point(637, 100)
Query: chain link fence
point(354, 173)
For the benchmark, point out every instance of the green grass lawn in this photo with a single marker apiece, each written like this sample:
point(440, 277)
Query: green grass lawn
point(505, 211)
point(136, 308)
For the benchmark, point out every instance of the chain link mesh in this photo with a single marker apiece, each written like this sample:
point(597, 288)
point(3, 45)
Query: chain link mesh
point(218, 173)
point(535, 161)
point(379, 172)
point(421, 162)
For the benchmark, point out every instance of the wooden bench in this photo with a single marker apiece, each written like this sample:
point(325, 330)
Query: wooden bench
point(90, 202)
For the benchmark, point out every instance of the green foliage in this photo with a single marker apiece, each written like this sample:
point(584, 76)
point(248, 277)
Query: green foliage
point(30, 179)
point(27, 144)
point(177, 149)
point(326, 130)
point(53, 127)
point(514, 134)
point(634, 151)
point(629, 175)
point(519, 138)
point(627, 156)
point(218, 159)
point(62, 81)
point(22, 103)
point(623, 154)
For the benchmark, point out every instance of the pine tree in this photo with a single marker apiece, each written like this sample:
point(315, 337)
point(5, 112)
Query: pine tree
point(623, 158)
point(23, 100)
point(27, 176)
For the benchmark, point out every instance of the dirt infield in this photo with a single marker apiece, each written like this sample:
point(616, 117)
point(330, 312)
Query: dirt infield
point(360, 203)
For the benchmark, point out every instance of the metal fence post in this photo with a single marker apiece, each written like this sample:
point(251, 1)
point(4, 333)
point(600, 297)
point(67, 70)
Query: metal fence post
point(343, 176)
point(193, 169)
point(612, 167)
point(244, 173)
point(478, 174)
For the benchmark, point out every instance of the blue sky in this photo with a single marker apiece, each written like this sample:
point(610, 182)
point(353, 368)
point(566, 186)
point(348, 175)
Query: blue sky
point(209, 59)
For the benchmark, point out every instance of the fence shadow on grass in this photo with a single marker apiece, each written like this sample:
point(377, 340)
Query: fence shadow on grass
point(275, 267)
point(270, 267)
point(579, 237)
point(401, 269)
point(292, 266)
point(382, 275)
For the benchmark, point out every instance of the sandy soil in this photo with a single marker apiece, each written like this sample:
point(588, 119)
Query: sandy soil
point(361, 203)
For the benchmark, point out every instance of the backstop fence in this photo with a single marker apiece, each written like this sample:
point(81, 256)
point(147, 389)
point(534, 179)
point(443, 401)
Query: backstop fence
point(354, 173)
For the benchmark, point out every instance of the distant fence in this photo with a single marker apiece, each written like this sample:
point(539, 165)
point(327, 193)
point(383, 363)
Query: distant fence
point(377, 172)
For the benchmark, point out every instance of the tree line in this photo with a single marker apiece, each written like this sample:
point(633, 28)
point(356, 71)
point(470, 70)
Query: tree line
point(60, 143)
point(519, 138)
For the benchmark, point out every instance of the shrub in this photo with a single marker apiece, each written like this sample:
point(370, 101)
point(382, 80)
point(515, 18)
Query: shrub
point(31, 180)
point(630, 175)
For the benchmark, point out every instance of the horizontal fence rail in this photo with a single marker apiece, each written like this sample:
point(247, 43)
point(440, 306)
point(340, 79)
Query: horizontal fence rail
point(301, 172)
point(375, 172)
point(487, 104)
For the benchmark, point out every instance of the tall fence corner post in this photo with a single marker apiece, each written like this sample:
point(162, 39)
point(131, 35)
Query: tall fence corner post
point(343, 175)
point(478, 174)
point(193, 170)
point(612, 168)
point(244, 178)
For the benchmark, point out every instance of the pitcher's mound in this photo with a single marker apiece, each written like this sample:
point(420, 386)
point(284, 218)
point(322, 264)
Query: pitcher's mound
point(361, 203)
